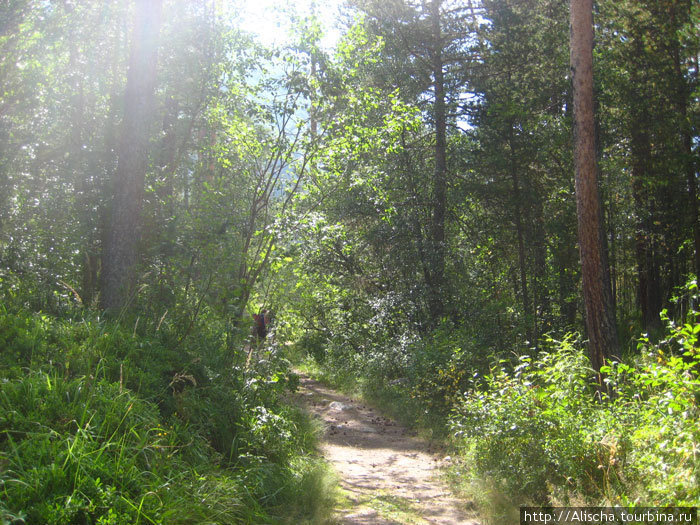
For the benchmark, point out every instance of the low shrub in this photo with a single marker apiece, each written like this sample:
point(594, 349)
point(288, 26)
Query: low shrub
point(540, 433)
point(658, 404)
point(535, 426)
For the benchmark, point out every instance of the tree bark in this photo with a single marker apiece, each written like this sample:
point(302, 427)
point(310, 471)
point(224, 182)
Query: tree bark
point(600, 321)
point(120, 253)
point(437, 266)
point(648, 285)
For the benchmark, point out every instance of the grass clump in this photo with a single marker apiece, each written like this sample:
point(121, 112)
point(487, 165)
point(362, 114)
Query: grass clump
point(103, 422)
point(83, 451)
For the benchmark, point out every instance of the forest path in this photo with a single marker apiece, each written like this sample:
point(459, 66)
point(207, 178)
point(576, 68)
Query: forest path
point(388, 475)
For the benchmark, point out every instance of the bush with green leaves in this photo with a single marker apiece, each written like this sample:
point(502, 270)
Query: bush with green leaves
point(541, 432)
point(658, 402)
point(535, 425)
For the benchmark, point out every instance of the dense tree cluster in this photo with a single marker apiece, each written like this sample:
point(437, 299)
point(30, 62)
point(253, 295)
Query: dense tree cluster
point(451, 185)
point(146, 148)
point(445, 184)
point(159, 152)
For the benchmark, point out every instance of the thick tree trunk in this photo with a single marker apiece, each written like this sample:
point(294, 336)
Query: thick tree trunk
point(437, 266)
point(600, 321)
point(120, 253)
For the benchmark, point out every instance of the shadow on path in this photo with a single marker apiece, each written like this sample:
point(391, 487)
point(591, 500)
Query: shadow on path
point(388, 473)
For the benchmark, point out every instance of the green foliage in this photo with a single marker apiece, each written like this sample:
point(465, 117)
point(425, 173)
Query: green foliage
point(84, 451)
point(524, 427)
point(102, 424)
point(231, 222)
point(540, 432)
point(439, 369)
point(659, 402)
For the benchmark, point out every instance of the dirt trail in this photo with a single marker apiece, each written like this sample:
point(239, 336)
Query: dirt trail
point(388, 474)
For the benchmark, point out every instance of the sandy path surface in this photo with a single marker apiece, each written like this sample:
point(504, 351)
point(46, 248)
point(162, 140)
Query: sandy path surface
point(388, 474)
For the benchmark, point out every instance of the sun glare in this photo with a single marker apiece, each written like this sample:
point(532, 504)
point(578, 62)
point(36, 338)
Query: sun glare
point(271, 20)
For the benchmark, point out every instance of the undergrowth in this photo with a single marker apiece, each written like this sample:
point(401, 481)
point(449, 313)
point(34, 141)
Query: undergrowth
point(534, 428)
point(108, 422)
point(538, 433)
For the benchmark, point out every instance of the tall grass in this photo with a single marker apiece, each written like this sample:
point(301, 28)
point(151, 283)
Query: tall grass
point(104, 423)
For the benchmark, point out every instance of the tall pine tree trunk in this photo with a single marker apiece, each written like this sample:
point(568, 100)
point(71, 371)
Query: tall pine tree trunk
point(600, 320)
point(120, 253)
point(648, 286)
point(645, 194)
point(439, 198)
